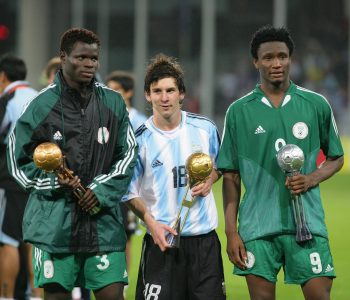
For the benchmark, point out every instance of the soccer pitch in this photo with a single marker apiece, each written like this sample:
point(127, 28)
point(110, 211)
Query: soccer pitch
point(335, 195)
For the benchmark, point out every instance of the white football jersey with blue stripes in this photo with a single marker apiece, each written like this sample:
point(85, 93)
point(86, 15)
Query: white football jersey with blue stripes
point(160, 175)
point(136, 118)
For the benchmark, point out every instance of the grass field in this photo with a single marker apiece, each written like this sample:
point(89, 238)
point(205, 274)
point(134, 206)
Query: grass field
point(336, 202)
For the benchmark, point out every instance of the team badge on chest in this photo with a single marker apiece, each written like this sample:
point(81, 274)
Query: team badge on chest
point(103, 135)
point(300, 130)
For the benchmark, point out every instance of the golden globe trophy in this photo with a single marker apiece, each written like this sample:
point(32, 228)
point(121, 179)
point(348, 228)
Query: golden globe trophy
point(199, 167)
point(48, 157)
point(290, 159)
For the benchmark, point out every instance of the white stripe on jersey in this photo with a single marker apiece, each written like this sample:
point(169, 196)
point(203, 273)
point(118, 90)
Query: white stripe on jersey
point(325, 99)
point(160, 177)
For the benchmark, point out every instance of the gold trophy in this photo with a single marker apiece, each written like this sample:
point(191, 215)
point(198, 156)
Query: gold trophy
point(48, 157)
point(199, 167)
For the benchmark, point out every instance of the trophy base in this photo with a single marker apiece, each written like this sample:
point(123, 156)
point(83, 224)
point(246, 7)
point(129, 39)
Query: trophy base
point(174, 240)
point(95, 210)
point(303, 235)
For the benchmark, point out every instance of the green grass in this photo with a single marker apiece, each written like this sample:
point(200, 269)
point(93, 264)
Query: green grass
point(335, 194)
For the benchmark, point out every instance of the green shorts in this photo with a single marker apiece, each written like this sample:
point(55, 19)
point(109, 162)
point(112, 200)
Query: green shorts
point(300, 262)
point(84, 269)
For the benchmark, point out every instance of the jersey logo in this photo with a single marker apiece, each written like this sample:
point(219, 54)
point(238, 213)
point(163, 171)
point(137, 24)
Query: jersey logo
point(259, 130)
point(329, 268)
point(57, 136)
point(48, 269)
point(125, 274)
point(250, 260)
point(300, 130)
point(156, 163)
point(103, 135)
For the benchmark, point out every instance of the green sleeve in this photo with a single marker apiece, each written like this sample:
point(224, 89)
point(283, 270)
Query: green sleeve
point(20, 150)
point(329, 135)
point(228, 157)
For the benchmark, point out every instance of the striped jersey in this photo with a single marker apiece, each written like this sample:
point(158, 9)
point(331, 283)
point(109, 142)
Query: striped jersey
point(136, 118)
point(254, 132)
point(160, 176)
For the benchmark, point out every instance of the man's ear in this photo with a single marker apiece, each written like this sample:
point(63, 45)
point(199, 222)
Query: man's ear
point(148, 98)
point(255, 63)
point(63, 56)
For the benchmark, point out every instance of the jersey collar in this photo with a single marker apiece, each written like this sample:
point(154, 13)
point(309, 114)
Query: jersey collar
point(260, 95)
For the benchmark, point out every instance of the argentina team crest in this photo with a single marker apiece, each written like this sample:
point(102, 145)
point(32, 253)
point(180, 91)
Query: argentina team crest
point(300, 130)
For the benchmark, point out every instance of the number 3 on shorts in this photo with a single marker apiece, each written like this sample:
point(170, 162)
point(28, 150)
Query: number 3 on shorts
point(316, 262)
point(104, 262)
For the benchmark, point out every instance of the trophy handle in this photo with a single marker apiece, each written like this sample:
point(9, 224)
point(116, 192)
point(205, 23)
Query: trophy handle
point(178, 218)
point(302, 231)
point(63, 172)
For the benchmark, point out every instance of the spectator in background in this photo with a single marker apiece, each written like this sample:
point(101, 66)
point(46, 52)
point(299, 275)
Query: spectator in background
point(123, 82)
point(15, 93)
point(52, 68)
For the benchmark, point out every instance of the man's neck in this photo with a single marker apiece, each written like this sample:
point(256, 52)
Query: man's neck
point(275, 93)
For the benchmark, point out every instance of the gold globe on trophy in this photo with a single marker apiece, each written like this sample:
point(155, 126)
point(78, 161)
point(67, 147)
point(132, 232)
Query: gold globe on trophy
point(48, 157)
point(199, 167)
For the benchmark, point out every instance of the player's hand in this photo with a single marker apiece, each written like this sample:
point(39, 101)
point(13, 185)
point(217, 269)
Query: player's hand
point(88, 200)
point(73, 182)
point(298, 184)
point(236, 251)
point(202, 189)
point(158, 232)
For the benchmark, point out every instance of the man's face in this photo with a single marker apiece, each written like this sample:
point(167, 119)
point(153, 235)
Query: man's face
point(273, 62)
point(165, 98)
point(80, 66)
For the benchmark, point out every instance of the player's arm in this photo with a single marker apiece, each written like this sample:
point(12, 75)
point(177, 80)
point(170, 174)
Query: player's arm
point(302, 183)
point(231, 191)
point(157, 230)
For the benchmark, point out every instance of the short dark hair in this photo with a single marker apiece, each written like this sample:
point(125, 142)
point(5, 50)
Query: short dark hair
point(269, 33)
point(73, 35)
point(125, 79)
point(13, 67)
point(163, 66)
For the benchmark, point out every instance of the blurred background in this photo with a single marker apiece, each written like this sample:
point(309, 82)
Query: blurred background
point(210, 38)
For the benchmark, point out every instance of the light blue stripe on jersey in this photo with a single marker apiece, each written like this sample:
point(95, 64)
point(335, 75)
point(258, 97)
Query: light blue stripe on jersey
point(160, 176)
point(136, 118)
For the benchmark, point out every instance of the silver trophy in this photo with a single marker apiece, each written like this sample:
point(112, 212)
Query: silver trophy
point(290, 159)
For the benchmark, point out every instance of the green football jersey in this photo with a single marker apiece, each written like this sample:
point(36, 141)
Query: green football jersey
point(254, 132)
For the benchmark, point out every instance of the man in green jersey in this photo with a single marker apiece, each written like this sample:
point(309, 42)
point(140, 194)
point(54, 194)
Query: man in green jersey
point(277, 112)
point(90, 124)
